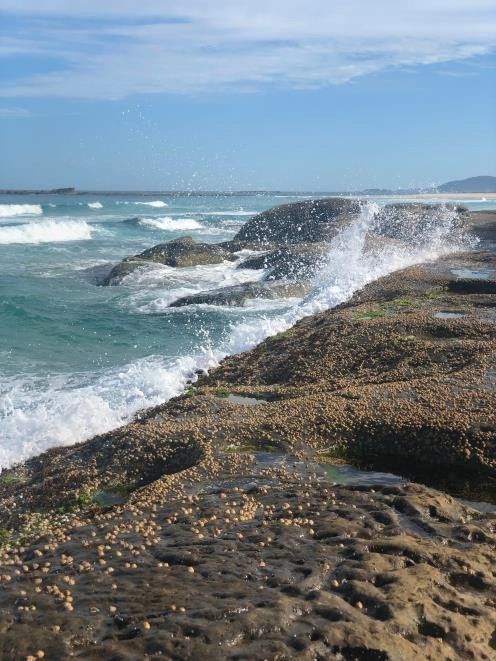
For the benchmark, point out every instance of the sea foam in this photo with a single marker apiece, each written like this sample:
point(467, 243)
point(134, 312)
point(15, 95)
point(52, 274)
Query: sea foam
point(155, 203)
point(11, 210)
point(46, 231)
point(95, 205)
point(33, 418)
point(169, 224)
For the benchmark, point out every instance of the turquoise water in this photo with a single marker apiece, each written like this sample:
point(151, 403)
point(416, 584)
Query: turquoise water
point(78, 359)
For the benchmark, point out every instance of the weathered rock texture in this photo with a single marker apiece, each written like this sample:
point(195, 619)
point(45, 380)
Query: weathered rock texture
point(219, 555)
point(311, 221)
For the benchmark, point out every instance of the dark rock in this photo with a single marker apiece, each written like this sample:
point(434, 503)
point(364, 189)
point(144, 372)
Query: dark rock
point(235, 295)
point(235, 246)
point(292, 262)
point(185, 252)
point(122, 270)
point(179, 253)
point(472, 286)
point(415, 222)
point(98, 274)
point(310, 221)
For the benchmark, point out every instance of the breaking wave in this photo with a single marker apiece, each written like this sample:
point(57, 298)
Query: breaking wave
point(169, 224)
point(46, 231)
point(11, 210)
point(36, 416)
point(95, 205)
point(155, 203)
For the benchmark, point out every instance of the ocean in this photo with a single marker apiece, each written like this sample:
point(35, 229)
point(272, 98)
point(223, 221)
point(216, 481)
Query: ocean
point(78, 359)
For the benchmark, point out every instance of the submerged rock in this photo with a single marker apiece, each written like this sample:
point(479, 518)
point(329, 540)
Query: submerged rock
point(179, 253)
point(292, 262)
point(123, 269)
point(185, 252)
point(235, 295)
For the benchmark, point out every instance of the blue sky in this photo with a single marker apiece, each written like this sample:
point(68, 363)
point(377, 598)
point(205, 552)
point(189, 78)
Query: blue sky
point(211, 94)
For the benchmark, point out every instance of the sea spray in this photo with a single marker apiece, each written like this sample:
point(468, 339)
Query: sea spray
point(349, 266)
point(40, 413)
point(169, 224)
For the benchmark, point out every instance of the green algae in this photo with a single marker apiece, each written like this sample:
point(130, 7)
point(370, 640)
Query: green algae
point(243, 449)
point(220, 392)
point(9, 479)
point(5, 537)
point(370, 314)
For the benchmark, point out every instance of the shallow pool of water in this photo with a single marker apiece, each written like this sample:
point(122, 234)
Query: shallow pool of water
point(449, 315)
point(474, 274)
point(242, 399)
point(476, 492)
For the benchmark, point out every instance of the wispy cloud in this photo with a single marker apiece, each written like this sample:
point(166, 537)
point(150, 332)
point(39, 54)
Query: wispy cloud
point(16, 113)
point(117, 48)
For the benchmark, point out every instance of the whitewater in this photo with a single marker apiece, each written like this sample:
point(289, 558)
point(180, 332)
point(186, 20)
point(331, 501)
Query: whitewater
point(77, 359)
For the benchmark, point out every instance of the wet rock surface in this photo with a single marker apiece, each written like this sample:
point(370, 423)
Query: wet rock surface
point(292, 263)
point(295, 240)
point(309, 221)
point(199, 547)
point(271, 563)
point(234, 295)
point(178, 253)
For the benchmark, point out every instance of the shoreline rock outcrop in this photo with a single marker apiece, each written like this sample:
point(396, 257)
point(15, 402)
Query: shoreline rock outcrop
point(292, 241)
point(224, 539)
point(179, 253)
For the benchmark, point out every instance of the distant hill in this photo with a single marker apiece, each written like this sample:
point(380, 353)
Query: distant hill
point(470, 185)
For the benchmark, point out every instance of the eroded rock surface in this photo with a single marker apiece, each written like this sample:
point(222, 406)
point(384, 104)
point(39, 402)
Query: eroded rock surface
point(211, 552)
point(277, 564)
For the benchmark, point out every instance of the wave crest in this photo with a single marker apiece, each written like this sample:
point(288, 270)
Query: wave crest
point(155, 203)
point(11, 210)
point(47, 231)
point(171, 224)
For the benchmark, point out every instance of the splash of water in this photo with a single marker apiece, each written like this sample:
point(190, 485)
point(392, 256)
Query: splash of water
point(352, 263)
point(60, 415)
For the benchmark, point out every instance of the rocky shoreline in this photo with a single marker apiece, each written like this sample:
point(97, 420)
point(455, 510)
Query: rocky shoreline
point(207, 527)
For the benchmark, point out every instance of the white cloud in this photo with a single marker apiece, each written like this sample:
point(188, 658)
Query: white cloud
point(116, 48)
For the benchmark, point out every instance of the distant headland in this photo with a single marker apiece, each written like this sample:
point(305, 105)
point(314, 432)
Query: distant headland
point(480, 184)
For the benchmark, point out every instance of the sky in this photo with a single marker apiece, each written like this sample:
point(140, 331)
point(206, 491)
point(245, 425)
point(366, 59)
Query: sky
point(322, 95)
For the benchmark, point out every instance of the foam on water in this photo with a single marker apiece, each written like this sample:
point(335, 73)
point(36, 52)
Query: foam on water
point(154, 203)
point(169, 224)
point(62, 411)
point(350, 266)
point(46, 231)
point(34, 416)
point(95, 205)
point(159, 286)
point(12, 210)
